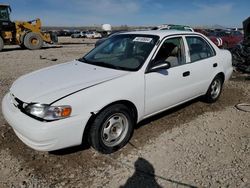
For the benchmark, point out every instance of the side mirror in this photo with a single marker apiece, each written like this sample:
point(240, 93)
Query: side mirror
point(162, 65)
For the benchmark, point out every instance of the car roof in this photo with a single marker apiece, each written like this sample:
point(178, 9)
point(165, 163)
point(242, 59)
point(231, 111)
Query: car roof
point(160, 33)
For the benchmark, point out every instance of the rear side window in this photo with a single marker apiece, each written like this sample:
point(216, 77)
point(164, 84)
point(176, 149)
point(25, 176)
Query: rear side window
point(199, 49)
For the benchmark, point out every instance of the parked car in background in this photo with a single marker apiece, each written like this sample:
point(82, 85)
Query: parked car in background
point(103, 95)
point(226, 39)
point(93, 35)
point(81, 34)
point(237, 29)
point(64, 33)
point(173, 27)
point(202, 31)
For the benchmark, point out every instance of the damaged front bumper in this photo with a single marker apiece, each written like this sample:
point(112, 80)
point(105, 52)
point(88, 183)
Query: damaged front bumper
point(43, 136)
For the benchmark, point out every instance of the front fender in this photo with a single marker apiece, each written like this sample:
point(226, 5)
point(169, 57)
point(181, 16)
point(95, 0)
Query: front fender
point(93, 99)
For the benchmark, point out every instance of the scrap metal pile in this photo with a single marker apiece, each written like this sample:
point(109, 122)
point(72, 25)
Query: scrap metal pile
point(241, 53)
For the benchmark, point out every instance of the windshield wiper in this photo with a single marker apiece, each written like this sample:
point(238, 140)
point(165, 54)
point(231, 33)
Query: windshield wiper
point(100, 63)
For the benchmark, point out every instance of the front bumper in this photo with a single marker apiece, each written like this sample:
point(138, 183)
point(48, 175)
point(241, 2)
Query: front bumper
point(43, 136)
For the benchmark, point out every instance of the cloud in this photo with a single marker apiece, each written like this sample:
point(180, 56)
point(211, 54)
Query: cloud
point(214, 10)
point(79, 12)
point(130, 12)
point(200, 14)
point(106, 7)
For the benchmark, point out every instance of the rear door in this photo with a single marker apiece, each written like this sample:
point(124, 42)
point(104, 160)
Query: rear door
point(201, 63)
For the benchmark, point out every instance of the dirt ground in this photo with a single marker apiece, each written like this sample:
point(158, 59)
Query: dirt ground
point(194, 145)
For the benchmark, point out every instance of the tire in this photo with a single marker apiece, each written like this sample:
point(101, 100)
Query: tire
point(22, 46)
point(33, 41)
point(214, 90)
point(22, 41)
point(111, 129)
point(1, 44)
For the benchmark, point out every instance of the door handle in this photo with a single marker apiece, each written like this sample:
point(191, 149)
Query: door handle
point(187, 73)
point(215, 65)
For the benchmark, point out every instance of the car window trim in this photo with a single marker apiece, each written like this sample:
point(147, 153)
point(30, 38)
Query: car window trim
point(147, 70)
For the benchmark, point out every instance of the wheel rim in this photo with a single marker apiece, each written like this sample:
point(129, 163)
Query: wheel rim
point(34, 41)
point(215, 88)
point(114, 129)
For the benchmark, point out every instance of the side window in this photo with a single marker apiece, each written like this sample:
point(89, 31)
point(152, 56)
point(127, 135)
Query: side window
point(172, 51)
point(199, 49)
point(4, 13)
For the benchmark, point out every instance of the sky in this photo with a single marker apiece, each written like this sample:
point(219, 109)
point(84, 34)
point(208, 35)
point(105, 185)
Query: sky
point(229, 13)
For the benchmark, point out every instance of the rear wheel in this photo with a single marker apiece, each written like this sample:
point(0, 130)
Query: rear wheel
point(33, 41)
point(214, 90)
point(111, 129)
point(1, 44)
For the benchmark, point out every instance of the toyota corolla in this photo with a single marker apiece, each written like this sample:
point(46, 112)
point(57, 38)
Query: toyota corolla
point(103, 95)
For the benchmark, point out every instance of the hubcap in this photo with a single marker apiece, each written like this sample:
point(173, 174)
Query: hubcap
point(34, 41)
point(114, 129)
point(215, 88)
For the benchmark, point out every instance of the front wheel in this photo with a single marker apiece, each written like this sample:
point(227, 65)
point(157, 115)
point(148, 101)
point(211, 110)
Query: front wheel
point(111, 129)
point(33, 41)
point(214, 90)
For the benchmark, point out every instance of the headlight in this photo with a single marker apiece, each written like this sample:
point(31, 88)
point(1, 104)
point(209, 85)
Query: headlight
point(48, 112)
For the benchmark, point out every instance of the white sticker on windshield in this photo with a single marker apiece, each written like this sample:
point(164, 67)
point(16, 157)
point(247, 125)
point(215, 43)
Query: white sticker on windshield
point(142, 39)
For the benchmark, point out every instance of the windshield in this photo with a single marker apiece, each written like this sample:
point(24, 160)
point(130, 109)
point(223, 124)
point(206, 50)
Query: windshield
point(123, 52)
point(4, 13)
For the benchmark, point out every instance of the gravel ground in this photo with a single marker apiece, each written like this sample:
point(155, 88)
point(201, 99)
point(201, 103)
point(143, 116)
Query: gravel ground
point(194, 145)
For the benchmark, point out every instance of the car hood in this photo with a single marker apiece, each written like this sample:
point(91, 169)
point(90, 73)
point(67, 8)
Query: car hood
point(50, 84)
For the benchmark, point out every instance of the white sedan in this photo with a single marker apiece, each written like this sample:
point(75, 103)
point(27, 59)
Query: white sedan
point(101, 96)
point(93, 35)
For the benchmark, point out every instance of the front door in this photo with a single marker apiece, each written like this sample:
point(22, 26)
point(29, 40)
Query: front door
point(166, 88)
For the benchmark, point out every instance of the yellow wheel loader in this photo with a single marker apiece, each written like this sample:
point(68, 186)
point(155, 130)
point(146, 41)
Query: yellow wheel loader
point(26, 34)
